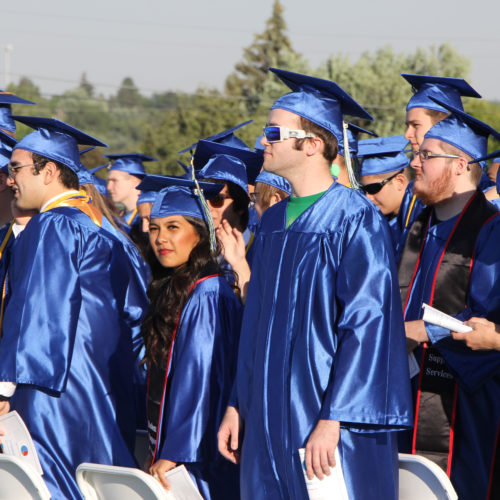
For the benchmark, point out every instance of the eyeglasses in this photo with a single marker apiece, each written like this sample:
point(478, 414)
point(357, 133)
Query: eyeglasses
point(425, 155)
point(12, 169)
point(218, 200)
point(375, 187)
point(277, 134)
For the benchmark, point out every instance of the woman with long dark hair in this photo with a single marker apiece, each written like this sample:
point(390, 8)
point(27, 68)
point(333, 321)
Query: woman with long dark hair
point(191, 336)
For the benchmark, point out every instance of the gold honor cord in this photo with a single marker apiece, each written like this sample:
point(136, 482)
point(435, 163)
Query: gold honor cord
point(131, 218)
point(4, 285)
point(81, 201)
point(410, 210)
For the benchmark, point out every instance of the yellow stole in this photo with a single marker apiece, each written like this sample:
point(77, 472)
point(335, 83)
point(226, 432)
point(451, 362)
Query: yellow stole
point(78, 200)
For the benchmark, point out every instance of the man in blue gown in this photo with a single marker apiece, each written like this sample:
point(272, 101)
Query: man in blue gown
point(71, 327)
point(322, 360)
point(450, 261)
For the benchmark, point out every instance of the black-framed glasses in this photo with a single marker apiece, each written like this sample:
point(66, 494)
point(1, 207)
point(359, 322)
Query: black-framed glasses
point(218, 200)
point(12, 169)
point(274, 133)
point(425, 155)
point(375, 187)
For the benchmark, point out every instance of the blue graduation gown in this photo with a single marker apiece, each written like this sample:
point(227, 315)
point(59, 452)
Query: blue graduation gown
point(200, 377)
point(322, 338)
point(71, 340)
point(477, 372)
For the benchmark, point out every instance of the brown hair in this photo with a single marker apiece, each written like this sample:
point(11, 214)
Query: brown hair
point(103, 204)
point(329, 140)
point(436, 116)
point(68, 178)
point(266, 192)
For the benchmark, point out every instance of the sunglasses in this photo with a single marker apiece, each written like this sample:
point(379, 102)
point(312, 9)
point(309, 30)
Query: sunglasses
point(218, 200)
point(375, 187)
point(277, 134)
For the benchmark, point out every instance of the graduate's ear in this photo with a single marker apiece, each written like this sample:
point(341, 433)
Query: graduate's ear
point(461, 165)
point(314, 145)
point(50, 171)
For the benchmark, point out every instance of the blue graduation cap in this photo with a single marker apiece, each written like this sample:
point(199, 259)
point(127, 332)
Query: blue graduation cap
point(177, 196)
point(445, 89)
point(55, 140)
point(353, 132)
point(131, 163)
point(321, 101)
point(147, 197)
point(6, 144)
point(383, 155)
point(275, 181)
point(252, 160)
point(258, 144)
point(225, 137)
point(225, 168)
point(6, 100)
point(463, 131)
point(99, 183)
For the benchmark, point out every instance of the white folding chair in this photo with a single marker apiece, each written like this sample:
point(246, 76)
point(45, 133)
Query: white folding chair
point(422, 479)
point(109, 482)
point(20, 481)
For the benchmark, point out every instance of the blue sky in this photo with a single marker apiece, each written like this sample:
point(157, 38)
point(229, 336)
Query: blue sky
point(165, 45)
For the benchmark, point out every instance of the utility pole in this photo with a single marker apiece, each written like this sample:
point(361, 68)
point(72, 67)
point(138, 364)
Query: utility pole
point(7, 49)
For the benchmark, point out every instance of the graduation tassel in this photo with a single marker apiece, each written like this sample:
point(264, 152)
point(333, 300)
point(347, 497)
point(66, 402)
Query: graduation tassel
point(206, 209)
point(347, 155)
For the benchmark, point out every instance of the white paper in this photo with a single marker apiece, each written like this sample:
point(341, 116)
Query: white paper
point(435, 317)
point(413, 365)
point(331, 487)
point(17, 440)
point(182, 487)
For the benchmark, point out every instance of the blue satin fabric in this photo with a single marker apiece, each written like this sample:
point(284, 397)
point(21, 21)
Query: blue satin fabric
point(477, 372)
point(201, 374)
point(322, 338)
point(71, 341)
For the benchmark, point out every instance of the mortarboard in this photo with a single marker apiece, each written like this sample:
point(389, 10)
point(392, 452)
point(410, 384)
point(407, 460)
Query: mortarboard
point(321, 101)
point(146, 197)
point(6, 100)
point(258, 144)
point(130, 163)
point(177, 196)
point(463, 131)
point(353, 132)
point(383, 155)
point(275, 181)
point(225, 168)
point(225, 137)
point(445, 89)
point(6, 144)
point(252, 160)
point(55, 140)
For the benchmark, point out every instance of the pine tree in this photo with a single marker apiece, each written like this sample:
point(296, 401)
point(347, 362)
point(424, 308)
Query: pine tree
point(271, 48)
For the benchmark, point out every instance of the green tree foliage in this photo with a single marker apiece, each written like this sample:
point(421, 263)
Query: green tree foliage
point(374, 80)
point(271, 48)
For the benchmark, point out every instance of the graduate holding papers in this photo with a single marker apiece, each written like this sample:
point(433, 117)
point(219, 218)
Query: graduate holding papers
point(191, 334)
point(71, 329)
point(322, 361)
